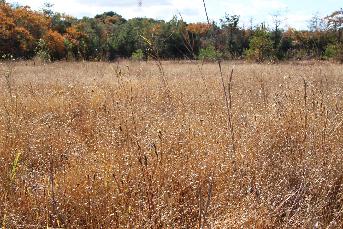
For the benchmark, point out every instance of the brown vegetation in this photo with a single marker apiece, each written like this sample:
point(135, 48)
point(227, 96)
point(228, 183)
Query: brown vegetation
point(107, 145)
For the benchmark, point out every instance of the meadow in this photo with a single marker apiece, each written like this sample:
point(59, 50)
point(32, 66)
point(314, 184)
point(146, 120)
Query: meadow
point(171, 145)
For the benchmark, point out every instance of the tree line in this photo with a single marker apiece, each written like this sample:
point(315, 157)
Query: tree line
point(49, 35)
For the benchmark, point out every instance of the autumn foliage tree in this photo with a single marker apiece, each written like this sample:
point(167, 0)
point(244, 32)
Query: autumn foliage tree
point(21, 30)
point(199, 28)
point(74, 40)
point(15, 39)
point(55, 44)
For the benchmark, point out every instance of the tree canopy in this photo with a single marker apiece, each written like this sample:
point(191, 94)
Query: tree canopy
point(25, 33)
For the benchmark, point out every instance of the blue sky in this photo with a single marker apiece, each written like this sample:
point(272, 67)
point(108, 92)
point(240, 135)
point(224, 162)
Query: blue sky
point(294, 13)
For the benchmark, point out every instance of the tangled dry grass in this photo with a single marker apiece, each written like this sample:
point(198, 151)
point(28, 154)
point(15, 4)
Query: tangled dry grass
point(115, 145)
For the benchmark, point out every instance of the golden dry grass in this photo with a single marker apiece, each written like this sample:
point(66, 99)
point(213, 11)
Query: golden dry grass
point(110, 145)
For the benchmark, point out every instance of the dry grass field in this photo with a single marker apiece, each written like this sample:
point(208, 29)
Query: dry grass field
point(126, 145)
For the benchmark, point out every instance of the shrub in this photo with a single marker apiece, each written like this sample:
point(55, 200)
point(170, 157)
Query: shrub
point(331, 51)
point(69, 50)
point(209, 53)
point(334, 51)
point(340, 53)
point(42, 51)
point(137, 55)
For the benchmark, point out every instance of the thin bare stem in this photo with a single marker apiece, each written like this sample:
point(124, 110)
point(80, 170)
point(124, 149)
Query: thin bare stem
point(305, 109)
point(208, 20)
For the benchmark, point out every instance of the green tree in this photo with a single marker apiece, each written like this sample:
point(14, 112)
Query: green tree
point(231, 36)
point(276, 36)
point(169, 41)
point(260, 46)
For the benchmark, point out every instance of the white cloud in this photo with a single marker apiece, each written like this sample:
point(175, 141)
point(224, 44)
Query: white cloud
point(126, 3)
point(159, 9)
point(35, 4)
point(299, 19)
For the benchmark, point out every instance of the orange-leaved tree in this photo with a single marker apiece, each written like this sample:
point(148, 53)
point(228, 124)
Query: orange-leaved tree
point(199, 28)
point(20, 30)
point(55, 44)
point(14, 40)
point(75, 42)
